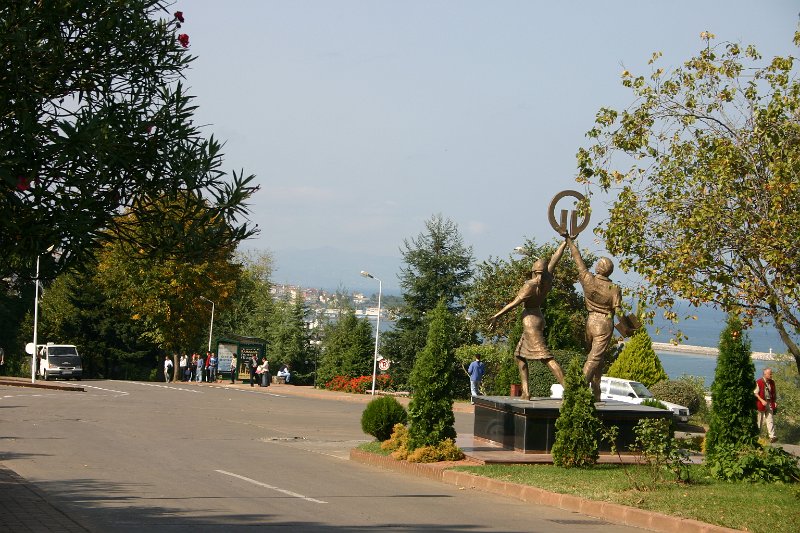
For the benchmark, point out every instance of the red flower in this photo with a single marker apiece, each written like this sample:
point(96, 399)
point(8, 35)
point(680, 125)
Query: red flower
point(184, 40)
point(179, 16)
point(23, 183)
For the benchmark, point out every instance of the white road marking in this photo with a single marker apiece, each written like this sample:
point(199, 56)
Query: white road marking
point(282, 491)
point(165, 387)
point(107, 390)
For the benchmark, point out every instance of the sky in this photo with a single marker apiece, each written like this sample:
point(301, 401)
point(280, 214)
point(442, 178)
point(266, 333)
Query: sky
point(363, 118)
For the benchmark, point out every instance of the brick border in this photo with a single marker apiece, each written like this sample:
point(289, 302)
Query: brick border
point(21, 383)
point(610, 512)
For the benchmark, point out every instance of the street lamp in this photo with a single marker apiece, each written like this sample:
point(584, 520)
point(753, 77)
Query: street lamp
point(36, 316)
point(377, 329)
point(211, 327)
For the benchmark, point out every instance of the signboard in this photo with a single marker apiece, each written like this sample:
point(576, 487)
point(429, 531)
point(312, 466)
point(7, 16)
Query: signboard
point(225, 352)
point(384, 364)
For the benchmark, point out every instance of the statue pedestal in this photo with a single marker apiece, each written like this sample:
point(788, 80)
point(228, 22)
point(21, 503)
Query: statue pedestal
point(529, 426)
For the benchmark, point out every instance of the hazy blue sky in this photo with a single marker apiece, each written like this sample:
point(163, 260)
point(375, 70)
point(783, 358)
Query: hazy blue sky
point(363, 118)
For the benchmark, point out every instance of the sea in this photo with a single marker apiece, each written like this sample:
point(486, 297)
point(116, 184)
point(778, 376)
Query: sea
point(705, 331)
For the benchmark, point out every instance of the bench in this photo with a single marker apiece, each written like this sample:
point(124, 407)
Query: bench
point(280, 380)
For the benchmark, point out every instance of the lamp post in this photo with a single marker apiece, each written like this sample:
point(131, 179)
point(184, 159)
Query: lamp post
point(211, 327)
point(36, 317)
point(377, 329)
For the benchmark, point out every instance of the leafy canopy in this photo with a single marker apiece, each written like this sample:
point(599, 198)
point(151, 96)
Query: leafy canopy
point(705, 167)
point(94, 121)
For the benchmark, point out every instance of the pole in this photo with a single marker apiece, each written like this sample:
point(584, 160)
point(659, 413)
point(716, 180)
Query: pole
point(377, 335)
point(211, 327)
point(35, 322)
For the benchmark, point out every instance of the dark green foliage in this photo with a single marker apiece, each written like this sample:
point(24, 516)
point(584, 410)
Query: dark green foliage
point(638, 361)
point(437, 267)
point(430, 412)
point(93, 121)
point(290, 340)
point(578, 428)
point(733, 409)
point(380, 416)
point(348, 347)
point(540, 375)
point(680, 391)
point(754, 463)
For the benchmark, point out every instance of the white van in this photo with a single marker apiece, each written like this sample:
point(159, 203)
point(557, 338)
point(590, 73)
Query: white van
point(59, 361)
point(626, 390)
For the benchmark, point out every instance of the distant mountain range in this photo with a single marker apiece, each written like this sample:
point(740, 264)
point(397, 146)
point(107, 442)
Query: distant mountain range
point(331, 268)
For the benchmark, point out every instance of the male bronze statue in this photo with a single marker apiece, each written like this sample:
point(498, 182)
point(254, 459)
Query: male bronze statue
point(603, 299)
point(532, 295)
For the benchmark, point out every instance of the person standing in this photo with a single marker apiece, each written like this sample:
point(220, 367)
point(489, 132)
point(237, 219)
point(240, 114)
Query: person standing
point(766, 402)
point(167, 368)
point(182, 367)
point(212, 367)
point(265, 376)
point(233, 368)
point(476, 371)
point(603, 299)
point(253, 367)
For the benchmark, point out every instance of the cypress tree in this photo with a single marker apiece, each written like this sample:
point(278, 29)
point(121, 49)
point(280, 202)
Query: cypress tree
point(578, 427)
point(430, 412)
point(733, 408)
point(638, 361)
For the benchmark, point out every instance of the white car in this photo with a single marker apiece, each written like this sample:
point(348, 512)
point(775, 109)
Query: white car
point(626, 390)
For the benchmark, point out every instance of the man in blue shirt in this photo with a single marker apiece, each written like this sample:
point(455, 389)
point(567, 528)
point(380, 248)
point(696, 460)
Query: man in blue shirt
point(476, 370)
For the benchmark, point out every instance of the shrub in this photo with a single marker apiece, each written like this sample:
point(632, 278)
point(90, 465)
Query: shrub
point(443, 451)
point(578, 428)
point(381, 415)
point(398, 439)
point(430, 412)
point(733, 409)
point(358, 385)
point(754, 463)
point(638, 361)
point(680, 391)
point(658, 451)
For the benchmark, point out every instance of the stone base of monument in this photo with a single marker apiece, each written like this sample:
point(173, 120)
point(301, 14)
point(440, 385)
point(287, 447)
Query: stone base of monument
point(529, 426)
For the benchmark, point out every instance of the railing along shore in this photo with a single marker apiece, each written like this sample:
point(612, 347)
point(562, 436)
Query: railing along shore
point(704, 350)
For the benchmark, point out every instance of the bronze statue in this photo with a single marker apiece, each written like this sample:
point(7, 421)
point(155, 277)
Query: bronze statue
point(603, 300)
point(532, 295)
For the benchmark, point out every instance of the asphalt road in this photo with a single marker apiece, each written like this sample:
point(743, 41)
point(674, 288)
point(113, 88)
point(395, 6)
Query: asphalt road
point(133, 456)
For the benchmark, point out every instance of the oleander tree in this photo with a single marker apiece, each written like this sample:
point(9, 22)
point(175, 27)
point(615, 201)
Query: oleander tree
point(704, 165)
point(94, 123)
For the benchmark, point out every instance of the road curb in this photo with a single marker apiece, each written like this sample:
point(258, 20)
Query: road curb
point(610, 512)
point(21, 383)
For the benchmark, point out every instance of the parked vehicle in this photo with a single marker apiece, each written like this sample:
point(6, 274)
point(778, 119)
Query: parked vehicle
point(59, 361)
point(626, 390)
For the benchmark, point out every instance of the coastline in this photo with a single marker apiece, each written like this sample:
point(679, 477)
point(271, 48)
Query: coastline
point(688, 349)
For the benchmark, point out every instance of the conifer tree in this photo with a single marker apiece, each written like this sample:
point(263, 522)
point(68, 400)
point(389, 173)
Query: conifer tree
point(437, 266)
point(430, 412)
point(347, 348)
point(638, 361)
point(733, 409)
point(578, 428)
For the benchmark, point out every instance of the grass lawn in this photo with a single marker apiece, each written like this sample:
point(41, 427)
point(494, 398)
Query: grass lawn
point(760, 508)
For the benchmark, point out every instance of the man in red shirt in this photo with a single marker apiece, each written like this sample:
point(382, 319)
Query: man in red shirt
point(766, 402)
